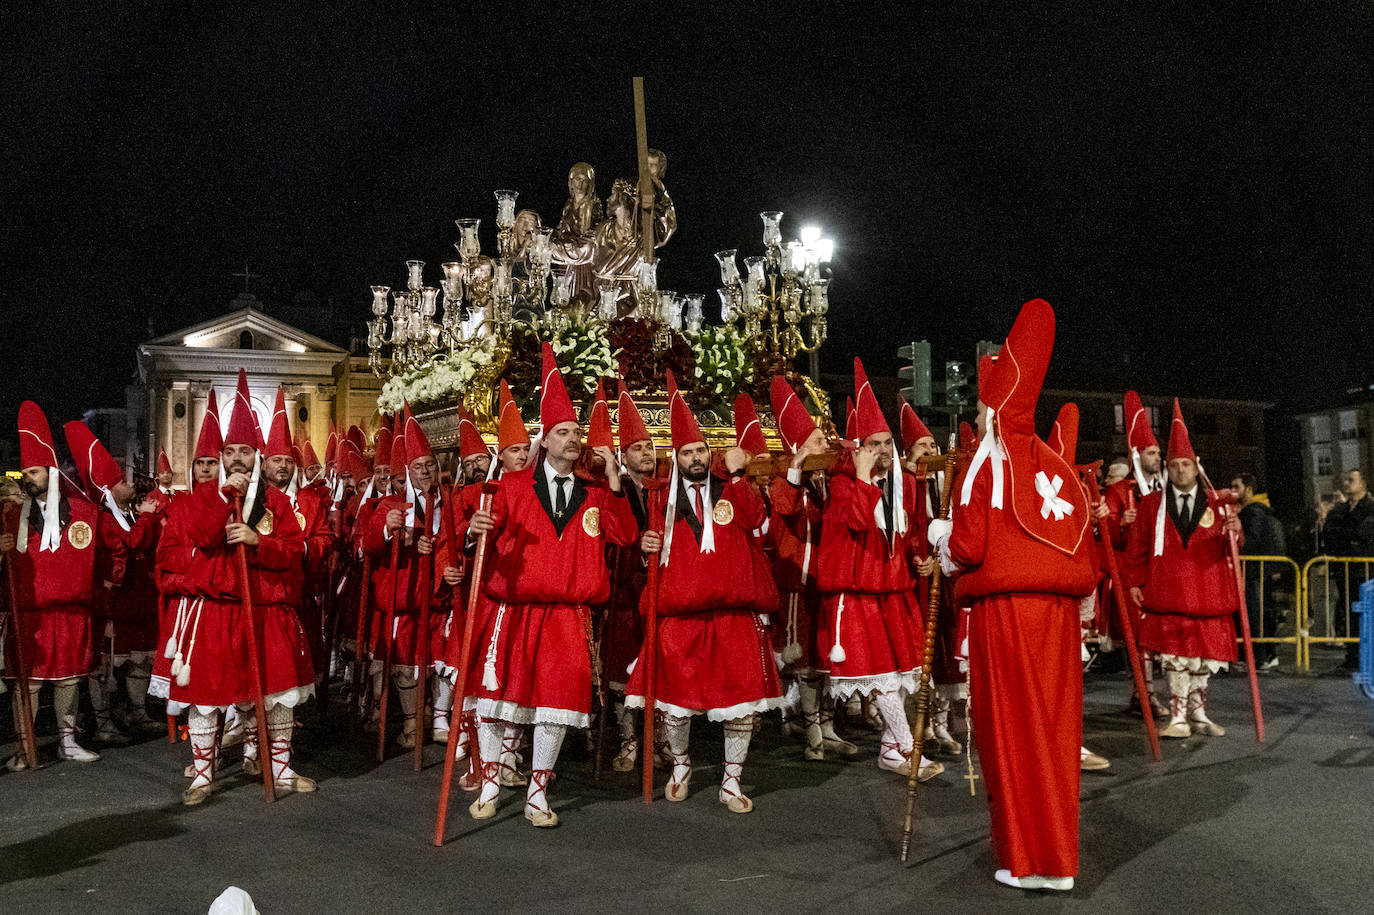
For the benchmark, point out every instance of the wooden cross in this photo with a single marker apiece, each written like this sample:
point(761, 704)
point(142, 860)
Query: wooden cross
point(646, 183)
point(247, 276)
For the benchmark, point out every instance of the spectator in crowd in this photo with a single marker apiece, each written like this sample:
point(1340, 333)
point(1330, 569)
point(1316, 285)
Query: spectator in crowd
point(1118, 468)
point(1349, 526)
point(1325, 502)
point(1263, 537)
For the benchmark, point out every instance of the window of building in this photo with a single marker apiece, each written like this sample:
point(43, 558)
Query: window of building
point(1319, 429)
point(1119, 418)
point(1324, 464)
point(245, 339)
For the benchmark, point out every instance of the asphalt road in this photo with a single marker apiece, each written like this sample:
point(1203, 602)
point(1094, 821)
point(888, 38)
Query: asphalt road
point(1221, 825)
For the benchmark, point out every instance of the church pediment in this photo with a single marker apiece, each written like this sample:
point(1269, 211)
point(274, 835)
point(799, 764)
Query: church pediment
point(245, 329)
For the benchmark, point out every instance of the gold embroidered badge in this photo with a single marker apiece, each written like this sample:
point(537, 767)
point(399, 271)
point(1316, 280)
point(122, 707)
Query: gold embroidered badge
point(1207, 518)
point(591, 521)
point(300, 519)
point(266, 523)
point(723, 512)
point(79, 535)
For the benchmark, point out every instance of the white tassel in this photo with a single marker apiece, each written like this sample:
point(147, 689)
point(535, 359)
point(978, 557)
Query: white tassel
point(171, 650)
point(792, 653)
point(837, 655)
point(489, 681)
point(176, 663)
point(631, 668)
point(184, 675)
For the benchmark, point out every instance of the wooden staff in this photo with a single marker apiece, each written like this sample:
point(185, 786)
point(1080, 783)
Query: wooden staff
point(460, 687)
point(918, 731)
point(650, 650)
point(388, 637)
point(600, 669)
point(422, 655)
point(1125, 609)
point(255, 662)
point(28, 739)
point(171, 719)
point(329, 629)
point(361, 664)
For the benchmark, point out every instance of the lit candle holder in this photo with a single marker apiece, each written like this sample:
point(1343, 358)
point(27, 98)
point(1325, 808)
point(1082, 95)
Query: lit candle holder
point(505, 208)
point(646, 273)
point(379, 294)
point(729, 271)
point(562, 290)
point(725, 314)
point(429, 298)
point(416, 274)
point(754, 266)
point(772, 228)
point(607, 307)
point(468, 244)
point(691, 311)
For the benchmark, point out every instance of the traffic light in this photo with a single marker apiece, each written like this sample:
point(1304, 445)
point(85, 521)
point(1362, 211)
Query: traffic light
point(986, 348)
point(918, 371)
point(956, 385)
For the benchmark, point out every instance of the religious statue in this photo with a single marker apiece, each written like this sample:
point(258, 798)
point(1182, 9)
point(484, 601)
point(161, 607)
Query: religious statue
point(616, 245)
point(572, 238)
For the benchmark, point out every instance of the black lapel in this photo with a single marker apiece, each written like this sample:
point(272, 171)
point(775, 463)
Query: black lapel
point(541, 490)
point(575, 500)
point(1185, 526)
point(636, 495)
point(686, 509)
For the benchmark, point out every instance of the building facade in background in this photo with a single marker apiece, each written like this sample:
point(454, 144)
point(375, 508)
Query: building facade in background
point(1336, 439)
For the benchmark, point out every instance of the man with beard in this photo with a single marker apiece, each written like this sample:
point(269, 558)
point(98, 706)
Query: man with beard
point(312, 514)
point(548, 566)
point(216, 665)
point(51, 539)
point(410, 518)
point(712, 654)
point(129, 619)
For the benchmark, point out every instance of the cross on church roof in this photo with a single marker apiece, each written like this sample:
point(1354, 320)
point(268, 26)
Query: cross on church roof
point(247, 276)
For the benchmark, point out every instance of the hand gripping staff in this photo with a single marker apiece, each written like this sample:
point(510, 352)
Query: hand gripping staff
point(460, 687)
point(951, 463)
point(1125, 612)
point(423, 660)
point(27, 737)
point(1244, 611)
point(255, 662)
point(650, 650)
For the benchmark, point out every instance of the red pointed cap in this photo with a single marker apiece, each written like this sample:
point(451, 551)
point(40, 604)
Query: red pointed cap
point(243, 426)
point(417, 443)
point(985, 367)
point(357, 439)
point(352, 461)
point(331, 445)
point(510, 428)
point(599, 423)
point(1013, 386)
point(868, 416)
point(163, 464)
point(1139, 435)
point(470, 441)
point(748, 431)
point(1179, 444)
point(97, 469)
point(279, 435)
point(297, 456)
point(554, 404)
point(913, 430)
point(849, 418)
point(1064, 436)
point(684, 424)
point(308, 456)
point(795, 425)
point(632, 428)
point(211, 440)
point(382, 444)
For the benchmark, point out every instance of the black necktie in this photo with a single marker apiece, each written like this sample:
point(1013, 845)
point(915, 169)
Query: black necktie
point(560, 503)
point(1186, 511)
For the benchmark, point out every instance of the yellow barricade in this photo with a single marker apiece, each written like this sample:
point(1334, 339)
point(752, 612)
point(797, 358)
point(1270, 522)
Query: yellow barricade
point(1280, 592)
point(1329, 584)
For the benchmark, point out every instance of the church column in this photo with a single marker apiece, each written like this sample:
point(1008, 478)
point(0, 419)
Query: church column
point(320, 416)
point(295, 399)
point(200, 404)
point(179, 420)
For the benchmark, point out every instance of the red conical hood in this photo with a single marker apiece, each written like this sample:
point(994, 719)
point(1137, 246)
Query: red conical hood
point(97, 469)
point(243, 426)
point(795, 425)
point(684, 424)
point(632, 428)
point(986, 364)
point(382, 444)
point(510, 427)
point(331, 445)
point(554, 404)
point(850, 420)
point(35, 438)
point(868, 416)
point(1013, 385)
point(1064, 436)
point(308, 456)
point(357, 439)
point(163, 464)
point(470, 441)
point(913, 430)
point(279, 436)
point(211, 440)
point(1179, 444)
point(748, 432)
point(1139, 435)
point(599, 423)
point(417, 443)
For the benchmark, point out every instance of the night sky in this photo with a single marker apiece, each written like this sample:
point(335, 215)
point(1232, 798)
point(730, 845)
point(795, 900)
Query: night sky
point(1191, 190)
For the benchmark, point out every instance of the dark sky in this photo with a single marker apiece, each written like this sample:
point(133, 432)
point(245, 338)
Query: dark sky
point(1190, 189)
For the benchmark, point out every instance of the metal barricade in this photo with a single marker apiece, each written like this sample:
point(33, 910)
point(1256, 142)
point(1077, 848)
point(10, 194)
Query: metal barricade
point(1330, 584)
point(1274, 596)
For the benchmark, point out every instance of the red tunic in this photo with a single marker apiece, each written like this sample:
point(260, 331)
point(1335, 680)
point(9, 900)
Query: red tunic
point(58, 592)
point(132, 604)
point(1190, 590)
point(174, 551)
point(536, 663)
point(1025, 680)
point(216, 638)
point(868, 602)
point(622, 627)
point(794, 534)
point(713, 652)
point(396, 590)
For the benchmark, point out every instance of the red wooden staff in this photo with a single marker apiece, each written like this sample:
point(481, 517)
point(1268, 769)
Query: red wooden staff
point(361, 663)
point(28, 739)
point(650, 651)
point(1125, 609)
point(422, 656)
point(255, 662)
point(387, 638)
point(460, 687)
point(599, 646)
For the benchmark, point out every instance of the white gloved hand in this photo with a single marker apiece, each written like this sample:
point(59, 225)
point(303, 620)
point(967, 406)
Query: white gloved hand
point(937, 530)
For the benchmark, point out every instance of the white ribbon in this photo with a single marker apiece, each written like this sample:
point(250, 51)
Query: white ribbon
point(988, 450)
point(708, 540)
point(116, 511)
point(1049, 491)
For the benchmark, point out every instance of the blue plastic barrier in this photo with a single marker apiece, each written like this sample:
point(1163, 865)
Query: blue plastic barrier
point(1364, 680)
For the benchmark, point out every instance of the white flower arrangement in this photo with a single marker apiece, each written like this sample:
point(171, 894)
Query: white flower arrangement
point(443, 377)
point(723, 363)
point(584, 352)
